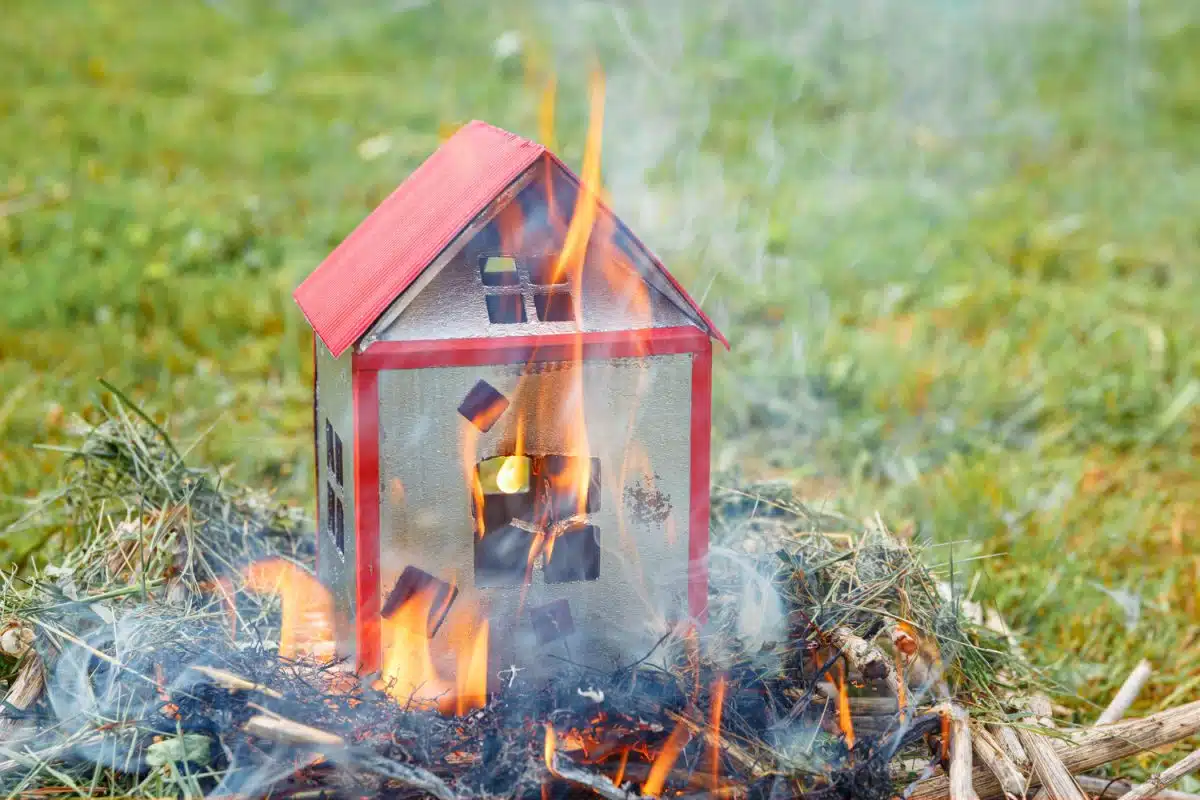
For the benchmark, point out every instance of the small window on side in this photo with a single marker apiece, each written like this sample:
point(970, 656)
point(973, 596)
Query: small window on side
point(555, 306)
point(505, 309)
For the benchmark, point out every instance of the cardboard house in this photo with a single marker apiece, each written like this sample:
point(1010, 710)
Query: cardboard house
point(527, 434)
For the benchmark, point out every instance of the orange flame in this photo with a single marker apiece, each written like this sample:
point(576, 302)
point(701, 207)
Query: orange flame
point(718, 706)
point(845, 723)
point(410, 672)
point(624, 762)
point(665, 761)
point(549, 748)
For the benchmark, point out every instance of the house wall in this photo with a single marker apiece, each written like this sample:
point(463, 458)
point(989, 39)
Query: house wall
point(637, 412)
point(614, 296)
point(336, 570)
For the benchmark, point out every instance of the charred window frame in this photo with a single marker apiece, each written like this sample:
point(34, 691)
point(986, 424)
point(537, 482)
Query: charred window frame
point(510, 282)
point(335, 492)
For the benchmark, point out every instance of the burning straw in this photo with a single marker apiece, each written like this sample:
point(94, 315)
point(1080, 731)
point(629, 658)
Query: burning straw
point(152, 662)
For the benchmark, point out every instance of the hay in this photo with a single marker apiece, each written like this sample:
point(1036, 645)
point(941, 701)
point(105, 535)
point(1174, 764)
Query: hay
point(133, 627)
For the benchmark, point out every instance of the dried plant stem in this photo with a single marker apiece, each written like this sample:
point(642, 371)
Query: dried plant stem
point(961, 787)
point(754, 766)
point(1089, 749)
point(1112, 789)
point(992, 755)
point(234, 683)
point(1185, 766)
point(1051, 772)
point(1128, 692)
point(285, 731)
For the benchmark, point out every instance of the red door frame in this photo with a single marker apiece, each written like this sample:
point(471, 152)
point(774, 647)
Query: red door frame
point(515, 350)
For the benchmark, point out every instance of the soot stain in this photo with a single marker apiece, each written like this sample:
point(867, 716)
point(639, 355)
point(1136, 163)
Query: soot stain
point(646, 502)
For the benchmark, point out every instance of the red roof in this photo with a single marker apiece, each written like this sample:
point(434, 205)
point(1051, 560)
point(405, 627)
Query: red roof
point(389, 249)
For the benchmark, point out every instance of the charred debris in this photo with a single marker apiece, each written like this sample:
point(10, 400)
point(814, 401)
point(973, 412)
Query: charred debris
point(837, 663)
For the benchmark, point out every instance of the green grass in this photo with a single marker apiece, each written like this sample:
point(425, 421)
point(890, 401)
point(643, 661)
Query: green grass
point(954, 245)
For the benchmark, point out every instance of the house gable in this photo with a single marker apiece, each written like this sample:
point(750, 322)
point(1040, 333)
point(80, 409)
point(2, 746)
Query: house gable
point(497, 279)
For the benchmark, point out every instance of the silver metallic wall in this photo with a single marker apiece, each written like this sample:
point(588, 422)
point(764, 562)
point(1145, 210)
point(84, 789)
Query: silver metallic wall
point(637, 412)
point(334, 570)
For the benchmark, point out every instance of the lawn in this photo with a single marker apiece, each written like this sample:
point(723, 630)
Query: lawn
point(954, 245)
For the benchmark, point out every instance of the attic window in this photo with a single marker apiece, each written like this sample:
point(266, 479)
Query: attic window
point(509, 282)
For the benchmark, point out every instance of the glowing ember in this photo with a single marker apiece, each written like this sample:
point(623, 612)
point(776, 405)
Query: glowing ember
point(665, 761)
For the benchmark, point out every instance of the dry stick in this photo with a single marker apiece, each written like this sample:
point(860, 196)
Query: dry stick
point(1113, 789)
point(865, 706)
point(285, 731)
point(1090, 748)
point(866, 658)
point(960, 755)
point(1126, 694)
point(754, 766)
point(232, 682)
point(25, 690)
point(1047, 765)
point(600, 784)
point(992, 755)
point(1184, 766)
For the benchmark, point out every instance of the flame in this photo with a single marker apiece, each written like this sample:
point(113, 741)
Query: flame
point(624, 762)
point(718, 705)
point(549, 748)
point(845, 723)
point(470, 440)
point(665, 761)
point(410, 668)
point(306, 627)
point(901, 689)
point(409, 672)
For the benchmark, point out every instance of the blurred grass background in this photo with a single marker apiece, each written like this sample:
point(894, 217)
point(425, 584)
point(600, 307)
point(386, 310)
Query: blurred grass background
point(954, 245)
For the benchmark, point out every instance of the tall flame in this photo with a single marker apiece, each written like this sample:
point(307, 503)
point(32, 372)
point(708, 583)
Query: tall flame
point(410, 668)
point(665, 761)
point(845, 723)
point(718, 706)
point(549, 748)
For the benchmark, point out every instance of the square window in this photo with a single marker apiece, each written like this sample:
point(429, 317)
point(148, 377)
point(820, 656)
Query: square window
point(502, 557)
point(555, 306)
point(419, 586)
point(552, 621)
point(498, 271)
point(505, 309)
point(544, 270)
point(575, 556)
point(330, 500)
point(483, 405)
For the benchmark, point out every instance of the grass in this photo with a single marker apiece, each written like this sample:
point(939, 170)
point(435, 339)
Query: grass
point(954, 246)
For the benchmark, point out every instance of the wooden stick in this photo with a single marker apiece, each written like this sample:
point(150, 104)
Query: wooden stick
point(866, 706)
point(235, 683)
point(286, 731)
point(1128, 692)
point(991, 754)
point(756, 767)
point(25, 690)
point(1006, 737)
point(1114, 789)
point(1089, 749)
point(1051, 772)
point(1184, 766)
point(961, 787)
point(600, 784)
point(866, 658)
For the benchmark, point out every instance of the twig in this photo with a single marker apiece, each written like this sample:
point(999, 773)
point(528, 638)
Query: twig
point(1105, 788)
point(1184, 766)
point(1051, 772)
point(752, 765)
point(1128, 692)
point(960, 755)
point(25, 690)
point(600, 784)
point(992, 755)
point(866, 658)
point(285, 731)
point(1089, 749)
point(233, 682)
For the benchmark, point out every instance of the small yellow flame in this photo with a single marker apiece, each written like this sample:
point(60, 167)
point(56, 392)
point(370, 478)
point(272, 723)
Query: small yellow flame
point(512, 477)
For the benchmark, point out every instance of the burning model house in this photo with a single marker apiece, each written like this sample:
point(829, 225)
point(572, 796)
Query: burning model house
point(512, 414)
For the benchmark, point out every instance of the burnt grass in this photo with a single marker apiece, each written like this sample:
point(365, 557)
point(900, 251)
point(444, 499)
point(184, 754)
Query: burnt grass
point(132, 626)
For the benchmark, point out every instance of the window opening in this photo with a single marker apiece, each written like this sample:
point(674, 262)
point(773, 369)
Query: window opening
point(509, 281)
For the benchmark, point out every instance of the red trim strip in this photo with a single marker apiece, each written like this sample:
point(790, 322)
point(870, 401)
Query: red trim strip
point(316, 464)
point(522, 349)
point(701, 442)
point(365, 388)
